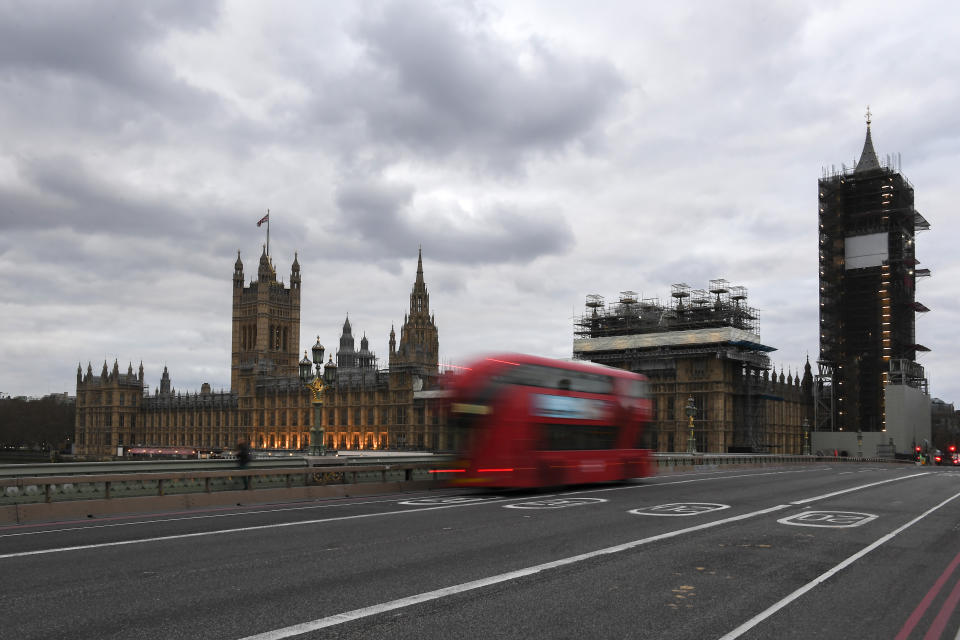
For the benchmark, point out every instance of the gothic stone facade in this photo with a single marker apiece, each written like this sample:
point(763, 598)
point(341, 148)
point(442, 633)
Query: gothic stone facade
point(268, 405)
point(397, 408)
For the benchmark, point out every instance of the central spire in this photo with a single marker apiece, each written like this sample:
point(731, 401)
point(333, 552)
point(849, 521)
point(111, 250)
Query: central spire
point(420, 265)
point(868, 157)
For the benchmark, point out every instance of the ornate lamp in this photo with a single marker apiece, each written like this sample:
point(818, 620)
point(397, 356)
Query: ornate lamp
point(691, 410)
point(318, 355)
point(305, 365)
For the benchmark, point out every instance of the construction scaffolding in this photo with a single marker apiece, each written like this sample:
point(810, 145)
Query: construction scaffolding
point(703, 344)
point(721, 305)
point(868, 274)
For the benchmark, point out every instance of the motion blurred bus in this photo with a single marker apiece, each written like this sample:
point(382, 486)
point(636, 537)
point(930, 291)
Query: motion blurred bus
point(526, 421)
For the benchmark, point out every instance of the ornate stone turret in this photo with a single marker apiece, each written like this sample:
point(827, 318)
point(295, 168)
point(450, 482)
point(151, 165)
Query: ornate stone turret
point(165, 381)
point(807, 383)
point(295, 273)
point(265, 272)
point(346, 355)
point(365, 359)
point(238, 272)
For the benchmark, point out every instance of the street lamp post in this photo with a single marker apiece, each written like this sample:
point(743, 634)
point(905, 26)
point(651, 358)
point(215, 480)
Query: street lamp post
point(315, 384)
point(859, 443)
point(806, 437)
point(691, 410)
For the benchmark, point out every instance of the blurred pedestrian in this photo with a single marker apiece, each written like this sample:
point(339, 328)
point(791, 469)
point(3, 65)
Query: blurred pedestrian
point(243, 459)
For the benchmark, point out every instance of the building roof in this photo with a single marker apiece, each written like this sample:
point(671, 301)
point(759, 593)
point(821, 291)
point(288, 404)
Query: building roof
point(868, 157)
point(692, 337)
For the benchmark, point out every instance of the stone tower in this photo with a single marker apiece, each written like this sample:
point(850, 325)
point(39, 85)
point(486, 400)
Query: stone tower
point(266, 325)
point(419, 344)
point(868, 276)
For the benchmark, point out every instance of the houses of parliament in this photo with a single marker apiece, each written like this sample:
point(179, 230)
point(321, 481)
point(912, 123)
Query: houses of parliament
point(269, 403)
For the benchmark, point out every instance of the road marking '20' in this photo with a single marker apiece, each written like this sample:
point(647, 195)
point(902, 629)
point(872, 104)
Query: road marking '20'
point(554, 503)
point(680, 509)
point(828, 519)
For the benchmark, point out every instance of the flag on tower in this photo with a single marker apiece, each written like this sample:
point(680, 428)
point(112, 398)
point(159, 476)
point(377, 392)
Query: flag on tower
point(265, 218)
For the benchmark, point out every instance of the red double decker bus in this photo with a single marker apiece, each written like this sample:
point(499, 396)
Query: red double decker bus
point(525, 421)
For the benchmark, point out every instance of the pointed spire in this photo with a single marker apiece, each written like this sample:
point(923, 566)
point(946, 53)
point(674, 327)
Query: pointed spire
point(868, 157)
point(420, 265)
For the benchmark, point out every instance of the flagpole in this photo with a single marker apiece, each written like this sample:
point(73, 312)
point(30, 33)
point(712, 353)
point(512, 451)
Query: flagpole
point(268, 233)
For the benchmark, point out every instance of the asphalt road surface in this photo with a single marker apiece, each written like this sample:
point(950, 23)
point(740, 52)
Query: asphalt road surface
point(824, 551)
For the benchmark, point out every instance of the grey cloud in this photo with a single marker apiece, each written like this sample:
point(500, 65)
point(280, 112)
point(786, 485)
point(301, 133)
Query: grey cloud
point(436, 81)
point(100, 59)
point(379, 215)
point(75, 197)
point(96, 39)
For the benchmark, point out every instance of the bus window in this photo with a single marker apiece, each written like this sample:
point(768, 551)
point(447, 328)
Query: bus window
point(570, 437)
point(637, 388)
point(554, 378)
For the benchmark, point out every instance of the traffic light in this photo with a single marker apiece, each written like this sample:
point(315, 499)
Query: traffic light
point(952, 448)
point(917, 448)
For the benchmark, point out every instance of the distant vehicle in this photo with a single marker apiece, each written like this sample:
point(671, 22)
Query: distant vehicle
point(525, 421)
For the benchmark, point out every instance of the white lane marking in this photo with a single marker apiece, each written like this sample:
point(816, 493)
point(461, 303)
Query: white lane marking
point(659, 484)
point(199, 517)
point(828, 519)
point(254, 512)
point(679, 509)
point(388, 513)
point(449, 500)
point(857, 488)
point(766, 613)
point(201, 534)
point(356, 614)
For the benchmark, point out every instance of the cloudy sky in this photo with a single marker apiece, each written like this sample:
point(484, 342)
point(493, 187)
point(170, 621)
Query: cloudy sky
point(537, 151)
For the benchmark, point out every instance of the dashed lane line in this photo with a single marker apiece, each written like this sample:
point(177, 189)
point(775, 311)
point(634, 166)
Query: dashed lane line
point(400, 603)
point(857, 488)
point(199, 534)
point(356, 614)
point(278, 525)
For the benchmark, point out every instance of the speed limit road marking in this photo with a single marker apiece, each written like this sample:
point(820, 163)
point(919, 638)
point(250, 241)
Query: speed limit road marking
point(828, 519)
point(680, 509)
